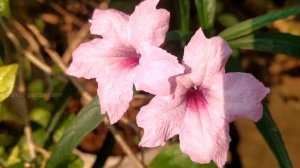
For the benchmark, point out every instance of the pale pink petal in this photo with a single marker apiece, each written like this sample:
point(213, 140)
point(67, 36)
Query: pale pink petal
point(148, 24)
point(156, 67)
point(88, 59)
point(161, 119)
point(205, 57)
point(114, 66)
point(237, 95)
point(243, 95)
point(92, 58)
point(115, 88)
point(204, 136)
point(110, 24)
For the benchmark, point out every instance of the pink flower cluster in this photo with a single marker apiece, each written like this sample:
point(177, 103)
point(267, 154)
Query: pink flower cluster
point(195, 100)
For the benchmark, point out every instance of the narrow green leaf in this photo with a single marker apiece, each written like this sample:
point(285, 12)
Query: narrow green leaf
point(271, 134)
point(227, 19)
point(206, 10)
point(173, 157)
point(7, 80)
point(184, 14)
point(251, 25)
point(273, 42)
point(88, 119)
point(4, 8)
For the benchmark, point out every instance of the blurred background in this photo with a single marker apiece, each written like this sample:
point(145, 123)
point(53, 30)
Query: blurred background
point(40, 36)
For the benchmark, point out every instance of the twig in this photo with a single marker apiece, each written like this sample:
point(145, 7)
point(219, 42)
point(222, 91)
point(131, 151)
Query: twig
point(42, 151)
point(82, 33)
point(29, 141)
point(45, 44)
point(123, 144)
point(45, 153)
point(28, 37)
point(44, 67)
point(58, 60)
point(10, 35)
point(67, 16)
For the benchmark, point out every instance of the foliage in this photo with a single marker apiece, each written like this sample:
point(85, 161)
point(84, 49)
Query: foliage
point(7, 80)
point(173, 157)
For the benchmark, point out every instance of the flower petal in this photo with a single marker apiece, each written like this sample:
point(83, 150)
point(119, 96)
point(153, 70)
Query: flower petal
point(148, 24)
point(156, 67)
point(204, 136)
point(161, 119)
point(115, 90)
point(243, 96)
point(110, 24)
point(92, 58)
point(237, 95)
point(205, 57)
point(88, 59)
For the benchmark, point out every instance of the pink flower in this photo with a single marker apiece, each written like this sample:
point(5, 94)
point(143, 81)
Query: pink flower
point(127, 54)
point(205, 100)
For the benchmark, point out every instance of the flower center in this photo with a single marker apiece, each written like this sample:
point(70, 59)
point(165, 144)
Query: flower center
point(131, 61)
point(195, 98)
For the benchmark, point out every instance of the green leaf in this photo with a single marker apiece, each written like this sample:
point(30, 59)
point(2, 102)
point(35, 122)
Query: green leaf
point(172, 157)
point(227, 19)
point(40, 116)
point(4, 8)
point(36, 87)
point(271, 134)
point(184, 15)
point(251, 25)
point(73, 161)
point(87, 119)
point(273, 42)
point(6, 114)
point(7, 80)
point(64, 125)
point(206, 10)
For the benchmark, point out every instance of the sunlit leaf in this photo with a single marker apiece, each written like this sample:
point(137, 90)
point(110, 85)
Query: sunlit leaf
point(88, 119)
point(40, 116)
point(271, 134)
point(4, 8)
point(7, 80)
point(173, 157)
point(206, 10)
point(273, 42)
point(14, 156)
point(251, 25)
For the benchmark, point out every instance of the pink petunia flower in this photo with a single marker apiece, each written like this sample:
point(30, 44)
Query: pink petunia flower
point(205, 100)
point(127, 54)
